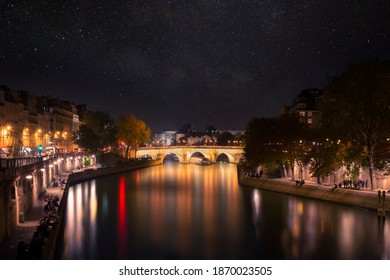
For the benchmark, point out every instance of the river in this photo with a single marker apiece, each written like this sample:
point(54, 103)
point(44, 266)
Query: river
point(187, 211)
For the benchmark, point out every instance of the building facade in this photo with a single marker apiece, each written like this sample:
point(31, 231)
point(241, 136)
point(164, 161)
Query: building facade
point(305, 107)
point(27, 121)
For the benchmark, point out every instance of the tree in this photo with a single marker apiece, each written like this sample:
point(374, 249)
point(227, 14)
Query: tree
point(325, 157)
point(98, 132)
point(103, 126)
point(275, 141)
point(356, 107)
point(132, 132)
point(86, 139)
point(293, 138)
point(258, 138)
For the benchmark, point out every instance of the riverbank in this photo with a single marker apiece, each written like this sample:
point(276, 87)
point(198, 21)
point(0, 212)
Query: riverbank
point(362, 198)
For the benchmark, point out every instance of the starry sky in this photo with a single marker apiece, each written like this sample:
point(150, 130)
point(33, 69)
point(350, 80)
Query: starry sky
point(208, 62)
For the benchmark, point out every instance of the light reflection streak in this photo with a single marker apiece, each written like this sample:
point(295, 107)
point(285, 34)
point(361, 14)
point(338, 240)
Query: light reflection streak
point(93, 206)
point(69, 245)
point(79, 213)
point(345, 236)
point(256, 206)
point(81, 207)
point(122, 227)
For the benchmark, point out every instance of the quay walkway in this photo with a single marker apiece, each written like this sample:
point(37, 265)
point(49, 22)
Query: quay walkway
point(25, 231)
point(363, 198)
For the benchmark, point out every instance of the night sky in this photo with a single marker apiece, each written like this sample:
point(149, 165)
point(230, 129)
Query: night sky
point(209, 62)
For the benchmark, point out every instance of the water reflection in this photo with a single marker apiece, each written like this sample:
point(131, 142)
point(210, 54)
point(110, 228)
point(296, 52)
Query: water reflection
point(308, 229)
point(122, 219)
point(178, 211)
point(80, 225)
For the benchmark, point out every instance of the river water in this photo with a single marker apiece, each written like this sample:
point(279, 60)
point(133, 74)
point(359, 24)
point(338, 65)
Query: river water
point(186, 211)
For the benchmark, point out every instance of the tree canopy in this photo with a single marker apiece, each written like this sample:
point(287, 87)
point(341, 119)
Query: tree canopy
point(274, 141)
point(98, 132)
point(356, 109)
point(86, 139)
point(103, 126)
point(132, 131)
point(355, 128)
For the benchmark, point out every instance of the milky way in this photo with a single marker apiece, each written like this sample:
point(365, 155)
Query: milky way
point(171, 62)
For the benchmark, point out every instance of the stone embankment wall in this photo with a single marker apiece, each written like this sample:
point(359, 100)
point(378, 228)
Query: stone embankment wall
point(78, 177)
point(357, 198)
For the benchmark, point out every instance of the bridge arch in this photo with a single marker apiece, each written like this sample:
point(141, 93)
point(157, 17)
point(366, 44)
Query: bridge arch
point(224, 157)
point(197, 154)
point(168, 155)
point(147, 156)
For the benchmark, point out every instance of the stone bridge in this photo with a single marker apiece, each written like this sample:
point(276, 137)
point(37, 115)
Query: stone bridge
point(184, 153)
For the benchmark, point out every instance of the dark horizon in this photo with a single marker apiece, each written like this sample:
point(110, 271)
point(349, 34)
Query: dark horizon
point(174, 62)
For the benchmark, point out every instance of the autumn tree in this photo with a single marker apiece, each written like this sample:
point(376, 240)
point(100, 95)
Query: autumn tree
point(132, 132)
point(356, 107)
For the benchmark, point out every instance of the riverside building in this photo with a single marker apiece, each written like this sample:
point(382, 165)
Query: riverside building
point(27, 121)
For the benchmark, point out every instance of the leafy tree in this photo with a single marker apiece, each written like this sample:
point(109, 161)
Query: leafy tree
point(354, 158)
point(97, 133)
point(86, 139)
point(132, 132)
point(103, 126)
point(274, 141)
point(294, 142)
point(356, 107)
point(382, 155)
point(258, 138)
point(324, 157)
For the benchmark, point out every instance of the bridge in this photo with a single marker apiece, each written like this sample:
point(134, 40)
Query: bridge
point(184, 153)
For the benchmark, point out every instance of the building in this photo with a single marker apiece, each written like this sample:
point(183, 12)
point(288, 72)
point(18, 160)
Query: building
point(165, 138)
point(188, 136)
point(305, 107)
point(27, 121)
